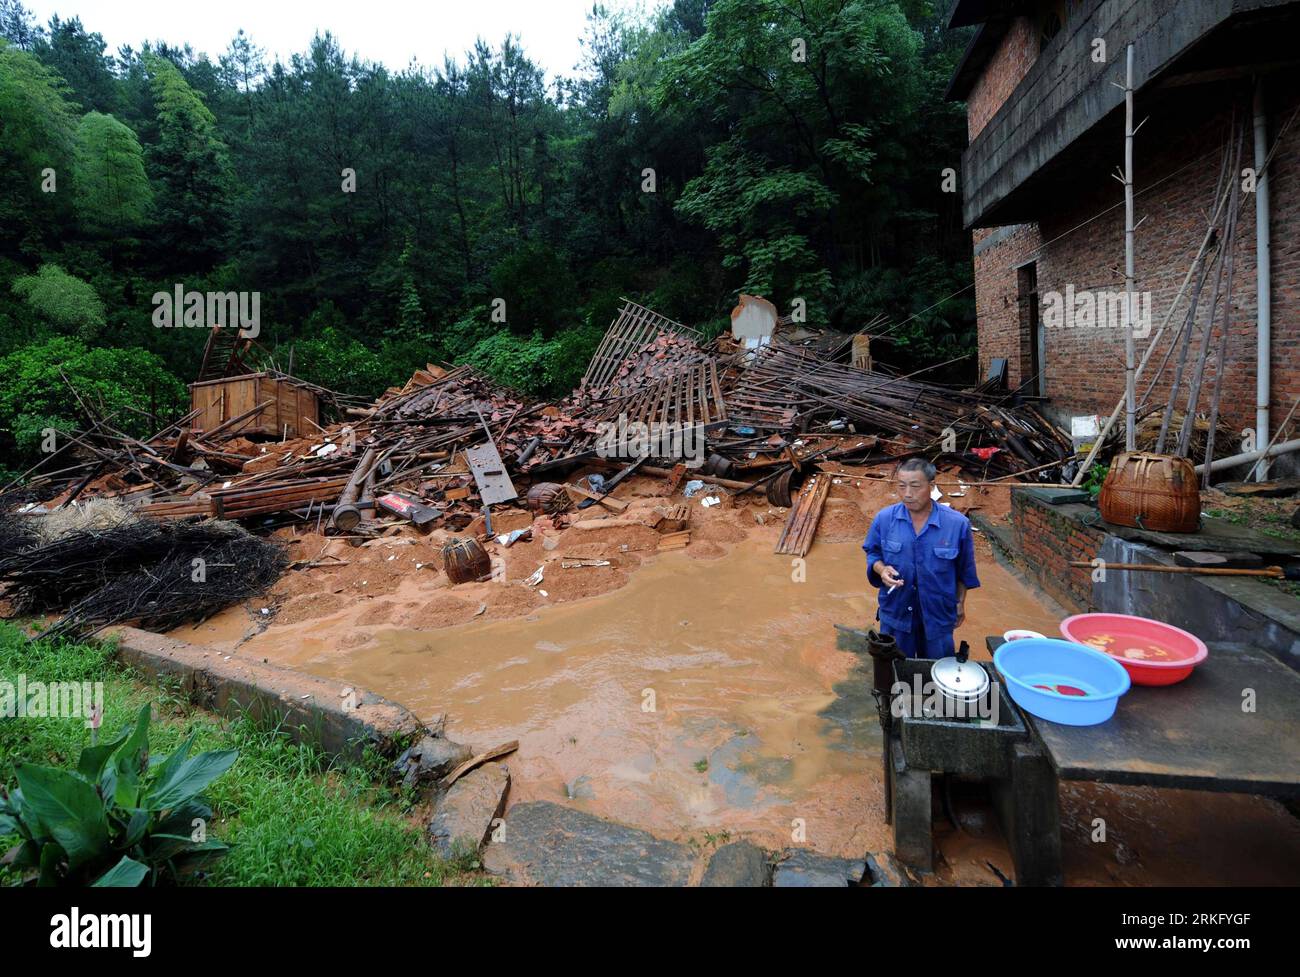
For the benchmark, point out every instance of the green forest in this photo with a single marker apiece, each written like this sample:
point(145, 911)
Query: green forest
point(788, 149)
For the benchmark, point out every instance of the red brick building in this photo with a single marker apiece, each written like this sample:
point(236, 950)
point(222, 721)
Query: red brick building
point(1041, 80)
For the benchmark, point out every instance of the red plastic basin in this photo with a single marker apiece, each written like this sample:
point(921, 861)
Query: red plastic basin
point(1152, 652)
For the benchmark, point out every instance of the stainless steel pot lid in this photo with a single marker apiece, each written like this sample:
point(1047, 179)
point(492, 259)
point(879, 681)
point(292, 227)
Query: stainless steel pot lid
point(960, 678)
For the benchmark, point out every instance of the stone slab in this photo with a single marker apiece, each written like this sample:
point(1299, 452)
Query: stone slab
point(802, 868)
point(467, 813)
point(553, 845)
point(739, 865)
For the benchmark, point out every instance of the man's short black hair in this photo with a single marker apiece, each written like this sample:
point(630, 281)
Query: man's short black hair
point(917, 465)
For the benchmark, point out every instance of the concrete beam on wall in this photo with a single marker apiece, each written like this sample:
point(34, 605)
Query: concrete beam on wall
point(1065, 93)
point(336, 717)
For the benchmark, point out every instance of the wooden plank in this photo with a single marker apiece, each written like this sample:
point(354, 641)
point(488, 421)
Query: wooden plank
point(474, 761)
point(801, 525)
point(674, 541)
point(577, 493)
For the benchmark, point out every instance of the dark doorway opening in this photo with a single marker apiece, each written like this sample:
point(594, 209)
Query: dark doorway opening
point(1032, 352)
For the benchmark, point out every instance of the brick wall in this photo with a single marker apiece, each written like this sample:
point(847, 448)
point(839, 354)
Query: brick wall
point(1013, 58)
point(1177, 162)
point(998, 313)
point(1048, 540)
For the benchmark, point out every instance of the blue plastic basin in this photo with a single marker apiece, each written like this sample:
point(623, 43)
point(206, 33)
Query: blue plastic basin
point(1033, 662)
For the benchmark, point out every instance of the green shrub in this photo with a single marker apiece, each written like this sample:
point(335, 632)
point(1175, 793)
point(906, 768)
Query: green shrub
point(65, 302)
point(516, 362)
point(132, 385)
point(1096, 475)
point(340, 362)
point(540, 291)
point(458, 339)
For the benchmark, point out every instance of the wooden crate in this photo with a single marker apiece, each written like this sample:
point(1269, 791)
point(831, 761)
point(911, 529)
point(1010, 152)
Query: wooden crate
point(292, 405)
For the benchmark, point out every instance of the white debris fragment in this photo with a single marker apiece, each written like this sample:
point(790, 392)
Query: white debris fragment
point(711, 500)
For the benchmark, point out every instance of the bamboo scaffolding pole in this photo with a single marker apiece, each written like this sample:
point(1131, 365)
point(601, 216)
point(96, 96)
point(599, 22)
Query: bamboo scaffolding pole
point(1130, 376)
point(1276, 572)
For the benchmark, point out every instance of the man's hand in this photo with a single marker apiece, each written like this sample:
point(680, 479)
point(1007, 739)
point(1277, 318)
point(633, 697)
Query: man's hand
point(889, 575)
point(961, 613)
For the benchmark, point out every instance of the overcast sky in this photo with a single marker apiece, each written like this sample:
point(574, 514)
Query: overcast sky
point(390, 31)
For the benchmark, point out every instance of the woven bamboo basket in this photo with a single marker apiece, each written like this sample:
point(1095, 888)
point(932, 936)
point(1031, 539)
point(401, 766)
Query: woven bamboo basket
point(1150, 491)
point(465, 560)
point(549, 498)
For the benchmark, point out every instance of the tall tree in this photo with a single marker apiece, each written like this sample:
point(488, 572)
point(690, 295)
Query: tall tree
point(243, 68)
point(18, 25)
point(111, 189)
point(36, 139)
point(812, 93)
point(191, 165)
point(78, 56)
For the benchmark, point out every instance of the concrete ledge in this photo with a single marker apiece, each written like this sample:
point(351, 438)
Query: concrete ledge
point(317, 711)
point(1045, 538)
point(1216, 609)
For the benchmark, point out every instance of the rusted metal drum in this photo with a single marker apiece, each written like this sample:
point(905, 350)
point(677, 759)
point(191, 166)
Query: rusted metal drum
point(1150, 491)
point(465, 560)
point(549, 498)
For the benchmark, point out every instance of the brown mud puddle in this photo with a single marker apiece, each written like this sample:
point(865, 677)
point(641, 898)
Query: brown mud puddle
point(698, 700)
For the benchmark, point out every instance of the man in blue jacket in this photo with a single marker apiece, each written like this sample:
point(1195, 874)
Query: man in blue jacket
point(921, 556)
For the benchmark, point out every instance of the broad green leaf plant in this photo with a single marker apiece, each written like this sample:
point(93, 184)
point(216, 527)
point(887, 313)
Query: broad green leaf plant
point(121, 818)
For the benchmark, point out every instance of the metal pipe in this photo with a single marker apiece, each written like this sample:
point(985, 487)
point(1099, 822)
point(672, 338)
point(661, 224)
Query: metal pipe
point(1263, 281)
point(1286, 447)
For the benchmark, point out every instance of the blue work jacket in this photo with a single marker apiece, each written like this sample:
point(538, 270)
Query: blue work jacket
point(931, 565)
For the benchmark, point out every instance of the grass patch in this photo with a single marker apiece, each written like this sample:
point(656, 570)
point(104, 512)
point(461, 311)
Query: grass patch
point(292, 815)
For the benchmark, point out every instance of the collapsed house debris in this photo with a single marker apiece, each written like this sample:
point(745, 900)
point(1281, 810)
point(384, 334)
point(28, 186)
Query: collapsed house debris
point(452, 450)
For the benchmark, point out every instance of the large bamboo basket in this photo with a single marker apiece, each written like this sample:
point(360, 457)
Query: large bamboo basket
point(465, 560)
point(1150, 491)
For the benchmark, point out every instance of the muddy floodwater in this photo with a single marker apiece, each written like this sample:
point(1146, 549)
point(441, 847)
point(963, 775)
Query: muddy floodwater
point(706, 699)
point(705, 696)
